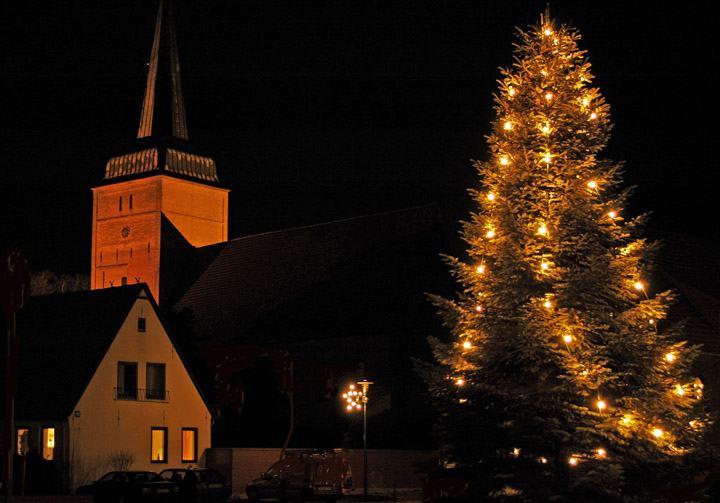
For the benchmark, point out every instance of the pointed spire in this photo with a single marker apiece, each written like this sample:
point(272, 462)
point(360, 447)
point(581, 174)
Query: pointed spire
point(163, 111)
point(163, 139)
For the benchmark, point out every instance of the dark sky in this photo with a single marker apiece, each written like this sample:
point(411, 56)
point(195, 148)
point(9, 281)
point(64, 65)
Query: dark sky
point(319, 110)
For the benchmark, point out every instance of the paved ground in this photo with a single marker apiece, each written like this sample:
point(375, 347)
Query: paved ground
point(383, 496)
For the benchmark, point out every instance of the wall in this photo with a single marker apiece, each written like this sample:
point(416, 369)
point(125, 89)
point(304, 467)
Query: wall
point(126, 237)
point(387, 469)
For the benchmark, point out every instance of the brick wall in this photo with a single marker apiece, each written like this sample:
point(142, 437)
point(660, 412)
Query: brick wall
point(387, 469)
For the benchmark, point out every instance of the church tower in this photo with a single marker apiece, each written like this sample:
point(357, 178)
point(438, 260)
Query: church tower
point(161, 200)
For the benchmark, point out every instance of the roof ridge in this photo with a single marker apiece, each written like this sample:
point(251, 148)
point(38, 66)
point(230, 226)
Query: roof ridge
point(342, 220)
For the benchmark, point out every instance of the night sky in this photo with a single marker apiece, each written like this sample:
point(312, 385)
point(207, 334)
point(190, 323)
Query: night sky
point(315, 111)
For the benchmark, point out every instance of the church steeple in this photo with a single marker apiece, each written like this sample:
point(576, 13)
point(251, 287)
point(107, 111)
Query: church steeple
point(163, 111)
point(159, 201)
point(162, 136)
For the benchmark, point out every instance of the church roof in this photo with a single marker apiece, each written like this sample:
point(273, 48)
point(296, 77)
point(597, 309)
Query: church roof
point(166, 160)
point(690, 266)
point(302, 277)
point(163, 132)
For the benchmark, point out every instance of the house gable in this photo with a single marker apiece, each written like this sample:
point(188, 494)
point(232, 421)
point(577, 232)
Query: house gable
point(68, 378)
point(123, 409)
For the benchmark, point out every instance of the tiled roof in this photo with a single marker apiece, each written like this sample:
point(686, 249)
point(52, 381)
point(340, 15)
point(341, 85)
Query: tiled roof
point(63, 338)
point(690, 265)
point(361, 267)
point(163, 160)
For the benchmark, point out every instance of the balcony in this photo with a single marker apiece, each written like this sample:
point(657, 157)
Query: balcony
point(142, 395)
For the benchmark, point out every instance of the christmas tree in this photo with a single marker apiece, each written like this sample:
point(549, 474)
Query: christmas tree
point(562, 378)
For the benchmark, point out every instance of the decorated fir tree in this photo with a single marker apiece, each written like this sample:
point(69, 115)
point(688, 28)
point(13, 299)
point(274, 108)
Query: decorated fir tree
point(562, 379)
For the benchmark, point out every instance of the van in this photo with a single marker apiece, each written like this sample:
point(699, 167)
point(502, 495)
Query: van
point(302, 476)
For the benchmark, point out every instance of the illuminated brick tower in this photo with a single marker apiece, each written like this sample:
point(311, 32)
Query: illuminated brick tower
point(159, 199)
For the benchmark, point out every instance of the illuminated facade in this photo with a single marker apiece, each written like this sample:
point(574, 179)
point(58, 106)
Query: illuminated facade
point(157, 189)
point(127, 393)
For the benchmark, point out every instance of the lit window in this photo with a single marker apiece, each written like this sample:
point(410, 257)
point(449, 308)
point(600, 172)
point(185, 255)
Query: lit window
point(23, 435)
point(158, 445)
point(189, 445)
point(48, 445)
point(155, 381)
point(141, 324)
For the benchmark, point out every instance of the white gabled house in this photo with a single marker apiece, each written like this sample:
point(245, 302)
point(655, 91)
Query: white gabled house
point(99, 377)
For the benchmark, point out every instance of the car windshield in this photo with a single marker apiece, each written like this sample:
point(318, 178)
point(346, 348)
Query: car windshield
point(272, 473)
point(107, 477)
point(148, 477)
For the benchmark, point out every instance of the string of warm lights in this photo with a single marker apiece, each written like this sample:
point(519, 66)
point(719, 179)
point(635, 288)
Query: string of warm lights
point(516, 90)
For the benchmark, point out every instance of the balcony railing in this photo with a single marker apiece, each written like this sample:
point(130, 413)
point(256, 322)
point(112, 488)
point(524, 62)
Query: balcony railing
point(142, 395)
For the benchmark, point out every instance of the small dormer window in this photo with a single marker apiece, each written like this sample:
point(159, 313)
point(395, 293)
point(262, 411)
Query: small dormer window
point(141, 324)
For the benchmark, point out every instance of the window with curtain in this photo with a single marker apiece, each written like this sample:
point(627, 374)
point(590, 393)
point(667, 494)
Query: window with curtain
point(155, 381)
point(127, 380)
point(189, 445)
point(48, 445)
point(158, 445)
point(23, 437)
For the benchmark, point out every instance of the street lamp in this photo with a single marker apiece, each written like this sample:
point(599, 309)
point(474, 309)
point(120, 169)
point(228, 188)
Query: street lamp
point(357, 400)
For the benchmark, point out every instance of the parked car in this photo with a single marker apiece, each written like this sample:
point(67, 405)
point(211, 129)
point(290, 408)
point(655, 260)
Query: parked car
point(442, 483)
point(209, 485)
point(130, 487)
point(304, 476)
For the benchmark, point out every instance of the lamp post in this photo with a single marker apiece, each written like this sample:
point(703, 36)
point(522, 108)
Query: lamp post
point(357, 400)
